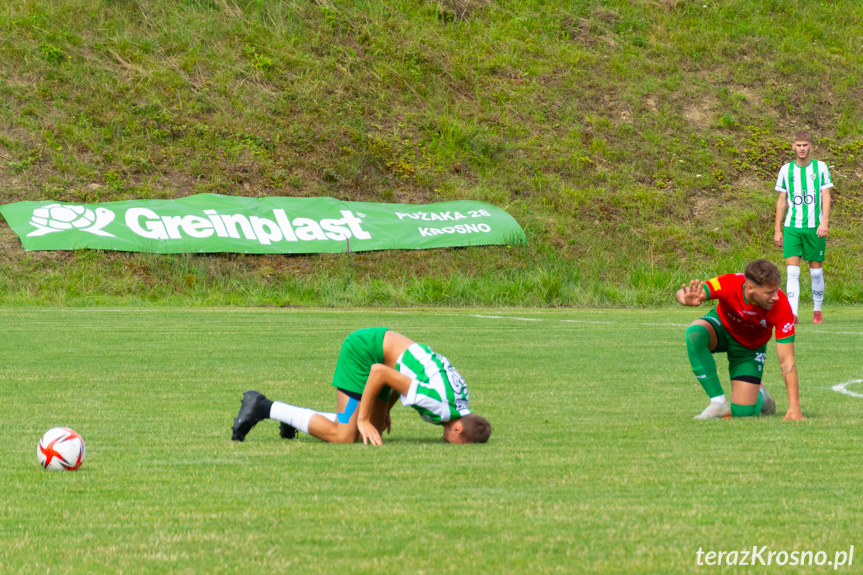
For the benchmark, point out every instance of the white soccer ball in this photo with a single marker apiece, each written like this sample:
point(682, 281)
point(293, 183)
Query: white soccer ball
point(61, 449)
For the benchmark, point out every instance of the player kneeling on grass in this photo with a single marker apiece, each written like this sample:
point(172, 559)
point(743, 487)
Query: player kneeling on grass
point(372, 362)
point(749, 306)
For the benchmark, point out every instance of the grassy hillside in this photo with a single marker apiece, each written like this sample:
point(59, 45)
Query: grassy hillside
point(636, 142)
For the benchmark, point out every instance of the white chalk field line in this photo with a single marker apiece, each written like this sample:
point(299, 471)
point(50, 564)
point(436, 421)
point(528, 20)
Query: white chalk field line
point(842, 388)
point(371, 311)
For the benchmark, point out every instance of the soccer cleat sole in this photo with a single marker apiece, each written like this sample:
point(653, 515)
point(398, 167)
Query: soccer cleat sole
point(245, 420)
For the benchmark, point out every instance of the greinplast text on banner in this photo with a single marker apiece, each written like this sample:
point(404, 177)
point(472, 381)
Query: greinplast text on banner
point(208, 223)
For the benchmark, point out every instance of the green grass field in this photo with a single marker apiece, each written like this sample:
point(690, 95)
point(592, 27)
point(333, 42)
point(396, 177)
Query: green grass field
point(594, 466)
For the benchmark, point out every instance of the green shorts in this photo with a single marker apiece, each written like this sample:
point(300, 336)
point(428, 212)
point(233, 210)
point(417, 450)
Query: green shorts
point(803, 243)
point(742, 361)
point(360, 351)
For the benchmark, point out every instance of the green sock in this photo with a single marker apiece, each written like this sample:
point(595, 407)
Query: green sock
point(703, 365)
point(747, 410)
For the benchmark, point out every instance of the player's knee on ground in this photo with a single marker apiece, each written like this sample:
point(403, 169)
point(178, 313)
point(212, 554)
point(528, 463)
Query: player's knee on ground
point(744, 410)
point(343, 434)
point(747, 410)
point(697, 336)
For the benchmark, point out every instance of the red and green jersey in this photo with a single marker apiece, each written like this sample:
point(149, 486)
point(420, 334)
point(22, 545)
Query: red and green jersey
point(749, 324)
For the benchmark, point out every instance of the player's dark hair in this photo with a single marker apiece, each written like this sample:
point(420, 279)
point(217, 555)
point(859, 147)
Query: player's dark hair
point(763, 273)
point(475, 429)
point(802, 136)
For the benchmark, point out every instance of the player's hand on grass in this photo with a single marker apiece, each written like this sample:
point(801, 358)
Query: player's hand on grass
point(794, 415)
point(777, 239)
point(369, 433)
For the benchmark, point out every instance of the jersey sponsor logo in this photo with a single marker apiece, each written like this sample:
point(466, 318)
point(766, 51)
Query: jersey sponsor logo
point(787, 327)
point(808, 199)
point(456, 380)
point(459, 387)
point(714, 284)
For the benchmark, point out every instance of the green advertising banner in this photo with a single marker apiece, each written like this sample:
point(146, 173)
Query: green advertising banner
point(208, 223)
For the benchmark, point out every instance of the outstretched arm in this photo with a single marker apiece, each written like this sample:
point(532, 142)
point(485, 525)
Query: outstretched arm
point(785, 352)
point(380, 376)
point(692, 294)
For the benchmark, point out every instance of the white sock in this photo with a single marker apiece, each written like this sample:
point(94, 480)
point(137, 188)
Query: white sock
point(718, 399)
point(296, 417)
point(792, 289)
point(330, 416)
point(817, 286)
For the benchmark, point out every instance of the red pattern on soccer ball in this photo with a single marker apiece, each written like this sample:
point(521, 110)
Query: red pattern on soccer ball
point(50, 453)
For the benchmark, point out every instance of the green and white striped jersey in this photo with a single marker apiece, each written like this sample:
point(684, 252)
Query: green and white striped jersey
point(438, 391)
point(803, 186)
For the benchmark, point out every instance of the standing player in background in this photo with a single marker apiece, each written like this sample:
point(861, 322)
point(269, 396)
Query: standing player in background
point(749, 306)
point(804, 187)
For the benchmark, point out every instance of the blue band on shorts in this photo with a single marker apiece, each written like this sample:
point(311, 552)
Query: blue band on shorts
point(350, 408)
